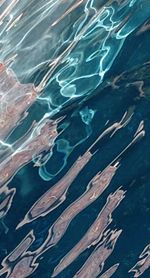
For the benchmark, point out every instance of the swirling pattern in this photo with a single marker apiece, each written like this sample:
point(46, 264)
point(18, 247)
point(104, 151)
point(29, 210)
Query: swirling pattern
point(74, 138)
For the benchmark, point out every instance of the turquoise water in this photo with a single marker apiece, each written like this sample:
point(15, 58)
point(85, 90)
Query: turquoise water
point(74, 169)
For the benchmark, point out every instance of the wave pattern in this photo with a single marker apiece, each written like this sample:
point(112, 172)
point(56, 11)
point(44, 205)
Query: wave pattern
point(74, 138)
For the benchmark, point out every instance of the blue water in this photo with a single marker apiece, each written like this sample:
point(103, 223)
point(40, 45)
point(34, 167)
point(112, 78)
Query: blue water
point(101, 76)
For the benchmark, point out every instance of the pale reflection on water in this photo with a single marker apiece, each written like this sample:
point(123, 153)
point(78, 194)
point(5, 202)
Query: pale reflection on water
point(74, 138)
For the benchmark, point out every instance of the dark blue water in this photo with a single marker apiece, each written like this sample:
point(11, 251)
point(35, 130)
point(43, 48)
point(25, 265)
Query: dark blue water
point(91, 96)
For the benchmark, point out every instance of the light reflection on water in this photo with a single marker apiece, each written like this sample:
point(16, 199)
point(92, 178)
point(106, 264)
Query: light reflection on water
point(74, 138)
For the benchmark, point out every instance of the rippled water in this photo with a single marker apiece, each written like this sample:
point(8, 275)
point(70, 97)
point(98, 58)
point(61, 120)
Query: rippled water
point(74, 138)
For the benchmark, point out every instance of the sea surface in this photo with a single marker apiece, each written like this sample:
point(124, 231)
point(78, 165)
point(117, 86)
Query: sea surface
point(75, 138)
